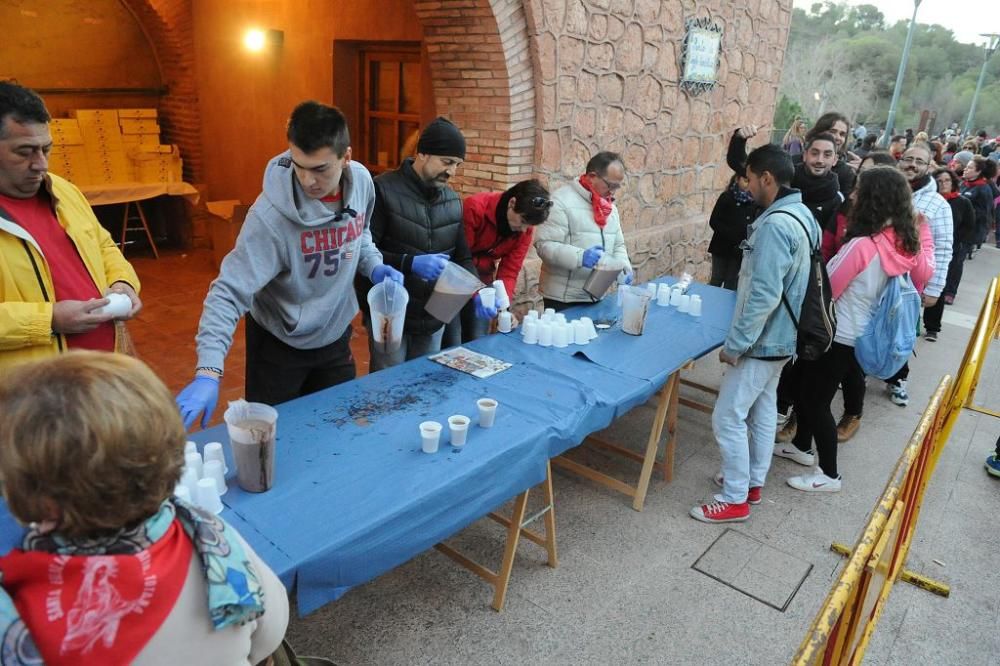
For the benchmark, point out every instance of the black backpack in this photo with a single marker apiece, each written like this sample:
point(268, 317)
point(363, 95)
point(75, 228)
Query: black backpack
point(817, 322)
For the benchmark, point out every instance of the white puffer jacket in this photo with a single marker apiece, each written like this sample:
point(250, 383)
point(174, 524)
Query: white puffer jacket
point(569, 231)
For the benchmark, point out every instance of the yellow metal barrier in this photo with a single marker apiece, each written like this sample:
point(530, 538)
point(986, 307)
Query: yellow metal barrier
point(846, 621)
point(840, 631)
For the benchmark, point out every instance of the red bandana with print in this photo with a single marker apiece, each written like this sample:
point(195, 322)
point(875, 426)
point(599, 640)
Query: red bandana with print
point(97, 609)
point(601, 205)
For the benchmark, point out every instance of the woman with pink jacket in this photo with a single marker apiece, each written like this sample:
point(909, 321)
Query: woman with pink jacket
point(886, 237)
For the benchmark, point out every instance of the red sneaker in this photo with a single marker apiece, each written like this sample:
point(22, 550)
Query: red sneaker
point(721, 512)
point(753, 496)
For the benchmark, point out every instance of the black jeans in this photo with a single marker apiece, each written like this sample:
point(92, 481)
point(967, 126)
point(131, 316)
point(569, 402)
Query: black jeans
point(818, 384)
point(788, 386)
point(277, 372)
point(853, 386)
point(933, 314)
point(958, 256)
point(558, 306)
point(725, 271)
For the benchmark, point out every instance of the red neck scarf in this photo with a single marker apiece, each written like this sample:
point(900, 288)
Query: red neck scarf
point(602, 206)
point(97, 609)
point(949, 195)
point(976, 182)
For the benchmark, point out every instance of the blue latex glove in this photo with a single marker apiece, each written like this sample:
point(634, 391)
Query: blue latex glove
point(629, 278)
point(429, 266)
point(382, 272)
point(483, 312)
point(199, 396)
point(592, 255)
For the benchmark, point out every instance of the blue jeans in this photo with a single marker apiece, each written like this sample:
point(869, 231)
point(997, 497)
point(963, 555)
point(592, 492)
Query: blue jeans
point(413, 346)
point(744, 422)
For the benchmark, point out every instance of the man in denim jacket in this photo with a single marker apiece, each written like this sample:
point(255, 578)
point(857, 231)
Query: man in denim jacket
point(762, 337)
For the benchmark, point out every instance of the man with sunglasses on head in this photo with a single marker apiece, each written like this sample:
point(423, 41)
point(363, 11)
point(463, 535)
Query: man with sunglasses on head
point(583, 225)
point(499, 227)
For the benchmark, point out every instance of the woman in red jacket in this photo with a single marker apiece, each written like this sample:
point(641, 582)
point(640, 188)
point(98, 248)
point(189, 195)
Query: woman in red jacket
point(499, 227)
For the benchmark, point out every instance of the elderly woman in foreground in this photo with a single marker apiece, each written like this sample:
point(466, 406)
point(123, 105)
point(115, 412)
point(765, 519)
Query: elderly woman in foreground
point(113, 569)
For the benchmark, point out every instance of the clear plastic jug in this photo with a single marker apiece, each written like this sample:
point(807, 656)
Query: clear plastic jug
point(635, 305)
point(453, 289)
point(387, 302)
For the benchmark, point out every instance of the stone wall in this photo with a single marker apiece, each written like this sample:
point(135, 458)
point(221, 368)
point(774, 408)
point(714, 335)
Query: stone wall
point(606, 76)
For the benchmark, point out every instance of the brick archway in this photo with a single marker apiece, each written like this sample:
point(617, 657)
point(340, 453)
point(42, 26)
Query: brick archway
point(483, 78)
point(168, 26)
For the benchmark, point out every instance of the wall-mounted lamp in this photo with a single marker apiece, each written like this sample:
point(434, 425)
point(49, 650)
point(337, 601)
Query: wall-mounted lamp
point(255, 40)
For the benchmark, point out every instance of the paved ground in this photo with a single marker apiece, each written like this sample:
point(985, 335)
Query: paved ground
point(658, 587)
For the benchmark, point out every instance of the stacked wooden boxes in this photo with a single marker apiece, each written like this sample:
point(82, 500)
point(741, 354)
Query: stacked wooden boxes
point(69, 157)
point(112, 146)
point(102, 138)
point(152, 162)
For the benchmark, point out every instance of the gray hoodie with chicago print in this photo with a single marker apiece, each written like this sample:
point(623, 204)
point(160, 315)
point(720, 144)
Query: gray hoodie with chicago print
point(293, 265)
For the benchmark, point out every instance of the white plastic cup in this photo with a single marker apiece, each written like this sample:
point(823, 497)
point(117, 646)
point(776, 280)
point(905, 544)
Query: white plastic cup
point(487, 412)
point(119, 306)
point(182, 493)
point(663, 295)
point(214, 470)
point(190, 447)
point(685, 303)
point(581, 335)
point(530, 332)
point(695, 306)
point(675, 296)
point(560, 318)
point(208, 496)
point(502, 297)
point(459, 428)
point(560, 335)
point(488, 297)
point(652, 288)
point(545, 334)
point(189, 479)
point(531, 316)
point(193, 462)
point(550, 312)
point(505, 322)
point(430, 436)
point(213, 451)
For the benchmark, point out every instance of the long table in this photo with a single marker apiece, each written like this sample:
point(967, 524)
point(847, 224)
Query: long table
point(355, 496)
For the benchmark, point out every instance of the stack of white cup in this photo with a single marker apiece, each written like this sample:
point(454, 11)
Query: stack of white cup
point(203, 480)
point(496, 296)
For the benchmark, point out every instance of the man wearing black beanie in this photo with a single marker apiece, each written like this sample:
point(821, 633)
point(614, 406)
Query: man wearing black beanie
point(417, 225)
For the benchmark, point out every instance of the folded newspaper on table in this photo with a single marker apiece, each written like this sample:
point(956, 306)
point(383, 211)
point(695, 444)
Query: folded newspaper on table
point(470, 362)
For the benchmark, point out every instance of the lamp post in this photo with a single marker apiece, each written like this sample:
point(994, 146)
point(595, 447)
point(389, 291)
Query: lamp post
point(890, 124)
point(992, 41)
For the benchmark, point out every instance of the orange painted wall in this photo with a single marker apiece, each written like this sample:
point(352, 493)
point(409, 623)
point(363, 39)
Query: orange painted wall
point(93, 44)
point(246, 98)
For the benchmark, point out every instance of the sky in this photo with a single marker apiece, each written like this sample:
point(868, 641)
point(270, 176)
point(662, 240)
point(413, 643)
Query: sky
point(965, 18)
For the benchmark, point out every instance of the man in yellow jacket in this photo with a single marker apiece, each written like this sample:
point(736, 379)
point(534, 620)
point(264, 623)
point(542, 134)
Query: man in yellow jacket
point(57, 263)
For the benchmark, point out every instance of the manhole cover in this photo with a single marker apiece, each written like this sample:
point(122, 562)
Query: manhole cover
point(757, 570)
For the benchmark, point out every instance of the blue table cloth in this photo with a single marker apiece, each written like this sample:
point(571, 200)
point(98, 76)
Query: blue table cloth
point(355, 496)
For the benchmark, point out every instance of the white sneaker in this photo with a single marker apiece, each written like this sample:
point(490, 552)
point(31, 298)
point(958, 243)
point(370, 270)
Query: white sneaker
point(898, 394)
point(789, 451)
point(817, 482)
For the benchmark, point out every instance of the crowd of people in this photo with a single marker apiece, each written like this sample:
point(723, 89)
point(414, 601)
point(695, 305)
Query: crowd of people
point(920, 208)
point(95, 485)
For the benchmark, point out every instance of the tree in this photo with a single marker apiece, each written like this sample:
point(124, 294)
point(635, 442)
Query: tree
point(849, 57)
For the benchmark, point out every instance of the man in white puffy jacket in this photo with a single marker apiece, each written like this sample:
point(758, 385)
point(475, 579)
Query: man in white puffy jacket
point(583, 225)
